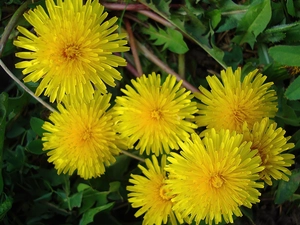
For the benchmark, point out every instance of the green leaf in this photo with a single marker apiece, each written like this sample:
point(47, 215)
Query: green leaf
point(293, 90)
point(16, 104)
point(90, 197)
point(75, 200)
point(286, 114)
point(170, 38)
point(15, 159)
point(287, 189)
point(194, 34)
point(3, 112)
point(35, 147)
point(235, 57)
point(82, 187)
point(5, 206)
point(286, 55)
point(253, 23)
point(88, 216)
point(114, 186)
point(215, 16)
point(290, 7)
point(45, 197)
point(161, 5)
point(15, 131)
point(36, 125)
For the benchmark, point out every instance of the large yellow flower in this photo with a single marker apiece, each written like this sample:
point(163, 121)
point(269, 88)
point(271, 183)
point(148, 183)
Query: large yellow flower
point(72, 50)
point(213, 177)
point(234, 100)
point(150, 194)
point(81, 137)
point(270, 143)
point(155, 114)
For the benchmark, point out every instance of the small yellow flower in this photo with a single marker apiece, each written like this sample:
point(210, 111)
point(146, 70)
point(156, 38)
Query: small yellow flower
point(72, 50)
point(81, 137)
point(234, 101)
point(151, 195)
point(270, 143)
point(155, 115)
point(213, 177)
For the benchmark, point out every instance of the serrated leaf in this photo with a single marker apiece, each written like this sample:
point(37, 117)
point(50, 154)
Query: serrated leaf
point(169, 38)
point(253, 23)
point(90, 197)
point(75, 200)
point(5, 206)
point(286, 189)
point(161, 5)
point(293, 90)
point(286, 55)
point(88, 216)
point(280, 32)
point(202, 41)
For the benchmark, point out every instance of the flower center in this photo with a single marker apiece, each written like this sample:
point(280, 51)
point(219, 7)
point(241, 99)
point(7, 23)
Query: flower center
point(239, 114)
point(156, 114)
point(86, 135)
point(163, 192)
point(217, 181)
point(71, 52)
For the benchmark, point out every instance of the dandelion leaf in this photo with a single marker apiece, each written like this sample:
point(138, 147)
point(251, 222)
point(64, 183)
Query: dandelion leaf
point(286, 55)
point(293, 91)
point(253, 23)
point(170, 39)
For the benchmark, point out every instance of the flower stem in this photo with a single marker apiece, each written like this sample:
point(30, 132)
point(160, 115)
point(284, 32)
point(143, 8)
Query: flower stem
point(25, 88)
point(148, 54)
point(181, 65)
point(133, 48)
point(11, 24)
point(133, 156)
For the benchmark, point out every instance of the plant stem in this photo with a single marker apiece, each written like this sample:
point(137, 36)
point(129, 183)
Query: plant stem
point(133, 48)
point(148, 54)
point(156, 17)
point(123, 6)
point(11, 24)
point(133, 156)
point(181, 65)
point(22, 85)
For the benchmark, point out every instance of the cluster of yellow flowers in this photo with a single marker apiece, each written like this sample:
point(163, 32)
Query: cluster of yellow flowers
point(217, 171)
point(214, 173)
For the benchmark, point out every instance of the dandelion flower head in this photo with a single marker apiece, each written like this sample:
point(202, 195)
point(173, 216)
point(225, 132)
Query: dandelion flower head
point(271, 145)
point(213, 177)
point(80, 137)
point(150, 194)
point(155, 115)
point(72, 50)
point(233, 101)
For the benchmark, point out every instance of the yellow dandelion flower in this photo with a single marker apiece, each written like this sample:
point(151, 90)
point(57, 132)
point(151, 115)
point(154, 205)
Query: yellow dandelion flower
point(155, 114)
point(72, 50)
point(233, 101)
point(214, 176)
point(151, 195)
point(270, 143)
point(80, 137)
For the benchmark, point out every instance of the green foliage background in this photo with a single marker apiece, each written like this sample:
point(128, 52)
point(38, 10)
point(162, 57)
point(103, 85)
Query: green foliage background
point(194, 37)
